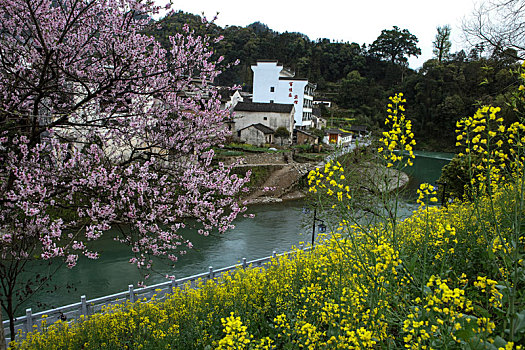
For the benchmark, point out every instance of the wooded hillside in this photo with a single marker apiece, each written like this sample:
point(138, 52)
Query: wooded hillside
point(360, 77)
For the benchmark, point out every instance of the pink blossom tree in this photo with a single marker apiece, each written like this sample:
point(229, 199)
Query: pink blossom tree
point(99, 127)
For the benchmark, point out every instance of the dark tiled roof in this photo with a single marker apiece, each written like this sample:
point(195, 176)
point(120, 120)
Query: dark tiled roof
point(263, 128)
point(358, 128)
point(263, 107)
point(304, 132)
point(337, 131)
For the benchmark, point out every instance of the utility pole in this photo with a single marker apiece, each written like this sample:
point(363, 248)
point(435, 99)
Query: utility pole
point(313, 227)
point(322, 227)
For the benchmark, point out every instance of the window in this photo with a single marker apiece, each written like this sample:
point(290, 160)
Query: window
point(265, 118)
point(272, 89)
point(271, 101)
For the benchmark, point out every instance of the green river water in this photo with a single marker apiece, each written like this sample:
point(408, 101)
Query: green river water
point(276, 227)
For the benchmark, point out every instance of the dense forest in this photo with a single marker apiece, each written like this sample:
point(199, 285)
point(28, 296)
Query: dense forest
point(358, 78)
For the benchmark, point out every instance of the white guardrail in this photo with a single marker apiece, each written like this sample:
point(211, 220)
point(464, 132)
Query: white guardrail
point(71, 312)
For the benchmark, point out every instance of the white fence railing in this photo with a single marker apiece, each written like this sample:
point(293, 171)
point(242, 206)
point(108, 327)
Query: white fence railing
point(27, 323)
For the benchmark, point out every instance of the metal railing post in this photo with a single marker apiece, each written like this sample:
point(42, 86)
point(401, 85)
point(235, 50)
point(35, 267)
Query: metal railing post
point(83, 306)
point(131, 294)
point(29, 322)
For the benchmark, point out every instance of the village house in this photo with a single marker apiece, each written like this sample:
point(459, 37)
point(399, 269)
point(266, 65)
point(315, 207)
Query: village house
point(256, 134)
point(317, 121)
point(274, 84)
point(338, 137)
point(303, 137)
point(271, 115)
point(359, 131)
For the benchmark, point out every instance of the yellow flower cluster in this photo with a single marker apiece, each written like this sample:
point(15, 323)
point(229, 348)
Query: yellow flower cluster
point(399, 140)
point(428, 192)
point(488, 285)
point(330, 181)
point(442, 313)
point(237, 338)
point(516, 141)
point(482, 137)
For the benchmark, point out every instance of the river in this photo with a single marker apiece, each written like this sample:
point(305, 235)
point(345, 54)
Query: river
point(276, 227)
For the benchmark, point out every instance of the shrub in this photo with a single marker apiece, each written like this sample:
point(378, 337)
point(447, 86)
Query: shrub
point(445, 278)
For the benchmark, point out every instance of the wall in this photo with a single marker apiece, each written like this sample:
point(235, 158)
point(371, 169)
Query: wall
point(243, 119)
point(265, 76)
point(253, 136)
point(302, 139)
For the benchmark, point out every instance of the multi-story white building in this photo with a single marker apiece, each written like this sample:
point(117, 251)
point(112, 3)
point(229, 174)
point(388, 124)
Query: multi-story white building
point(273, 83)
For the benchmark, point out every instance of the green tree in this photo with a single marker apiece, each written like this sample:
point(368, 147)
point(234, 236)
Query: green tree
point(442, 43)
point(282, 133)
point(395, 45)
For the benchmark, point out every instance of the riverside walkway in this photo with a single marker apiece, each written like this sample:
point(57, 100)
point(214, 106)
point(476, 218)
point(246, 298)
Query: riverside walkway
point(31, 321)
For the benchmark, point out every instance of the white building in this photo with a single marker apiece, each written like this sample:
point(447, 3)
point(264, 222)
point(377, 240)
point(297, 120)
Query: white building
point(274, 84)
point(271, 115)
point(338, 137)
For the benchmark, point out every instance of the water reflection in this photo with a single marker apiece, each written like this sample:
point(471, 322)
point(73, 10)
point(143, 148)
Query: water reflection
point(276, 227)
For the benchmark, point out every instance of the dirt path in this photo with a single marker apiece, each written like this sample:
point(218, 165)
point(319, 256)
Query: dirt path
point(279, 183)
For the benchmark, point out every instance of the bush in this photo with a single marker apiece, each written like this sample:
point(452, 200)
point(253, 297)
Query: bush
point(351, 291)
point(445, 278)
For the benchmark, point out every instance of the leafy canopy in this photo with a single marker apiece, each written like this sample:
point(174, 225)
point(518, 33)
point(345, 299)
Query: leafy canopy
point(395, 45)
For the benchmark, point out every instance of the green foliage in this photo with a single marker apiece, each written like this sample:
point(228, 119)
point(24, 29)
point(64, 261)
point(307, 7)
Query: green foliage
point(442, 43)
point(317, 132)
point(395, 45)
point(246, 147)
point(454, 179)
point(281, 133)
point(303, 148)
point(359, 79)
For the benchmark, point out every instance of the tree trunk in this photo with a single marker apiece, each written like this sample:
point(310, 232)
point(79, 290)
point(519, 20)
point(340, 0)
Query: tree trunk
point(2, 334)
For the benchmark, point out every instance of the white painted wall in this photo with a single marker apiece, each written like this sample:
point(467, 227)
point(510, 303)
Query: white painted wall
point(286, 90)
point(273, 120)
point(342, 140)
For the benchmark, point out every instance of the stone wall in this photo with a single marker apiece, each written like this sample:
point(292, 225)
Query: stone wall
point(262, 158)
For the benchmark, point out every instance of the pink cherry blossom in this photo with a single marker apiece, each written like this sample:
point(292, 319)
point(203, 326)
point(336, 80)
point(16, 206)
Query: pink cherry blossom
point(101, 128)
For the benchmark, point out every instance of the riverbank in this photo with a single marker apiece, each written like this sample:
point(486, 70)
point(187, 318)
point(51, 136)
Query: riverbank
point(277, 177)
point(344, 293)
point(276, 226)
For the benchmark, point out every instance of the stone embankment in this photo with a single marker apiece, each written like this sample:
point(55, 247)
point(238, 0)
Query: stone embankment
point(282, 184)
point(283, 180)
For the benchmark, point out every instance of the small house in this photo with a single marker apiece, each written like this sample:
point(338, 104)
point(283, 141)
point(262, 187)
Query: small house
point(338, 137)
point(303, 137)
point(359, 130)
point(271, 115)
point(256, 134)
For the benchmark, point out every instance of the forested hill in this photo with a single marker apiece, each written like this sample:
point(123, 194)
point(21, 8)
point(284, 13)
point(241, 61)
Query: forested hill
point(360, 77)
